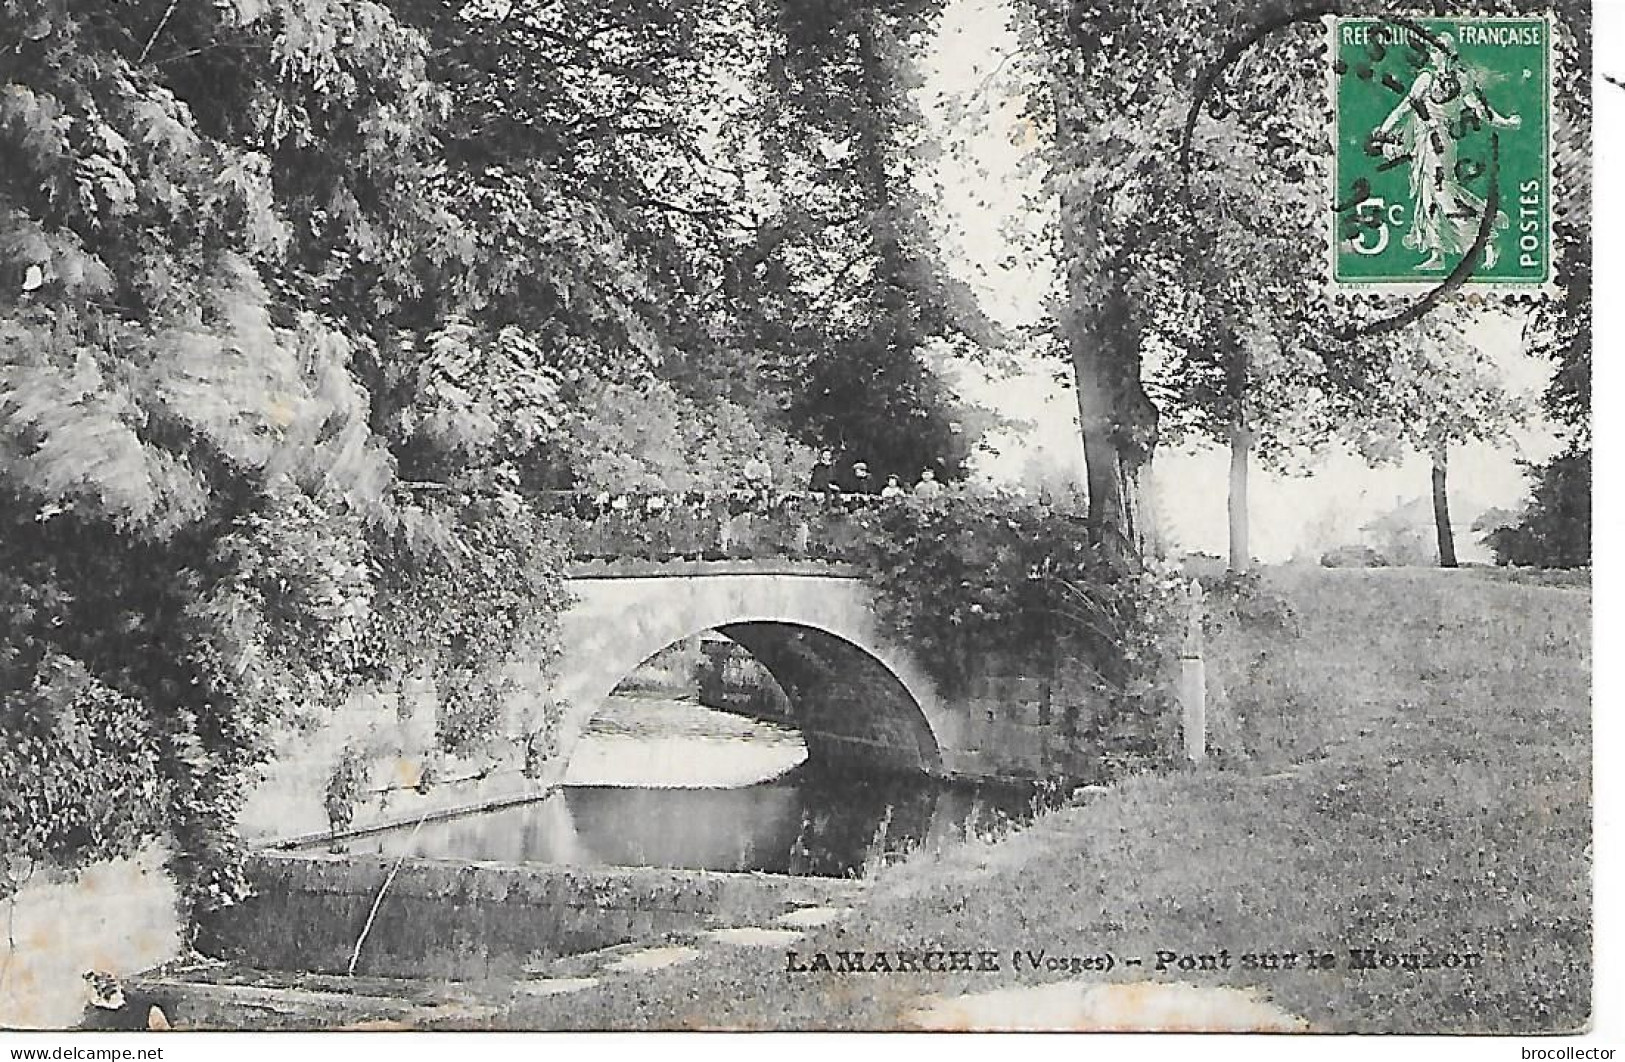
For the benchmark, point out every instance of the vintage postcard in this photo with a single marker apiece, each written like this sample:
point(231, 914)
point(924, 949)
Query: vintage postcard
point(796, 515)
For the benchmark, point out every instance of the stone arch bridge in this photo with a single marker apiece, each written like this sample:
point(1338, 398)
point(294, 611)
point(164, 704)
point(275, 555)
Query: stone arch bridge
point(858, 696)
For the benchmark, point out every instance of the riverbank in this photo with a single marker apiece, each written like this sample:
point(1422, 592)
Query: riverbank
point(1406, 776)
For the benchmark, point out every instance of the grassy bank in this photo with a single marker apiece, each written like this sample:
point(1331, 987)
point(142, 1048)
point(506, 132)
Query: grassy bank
point(1406, 768)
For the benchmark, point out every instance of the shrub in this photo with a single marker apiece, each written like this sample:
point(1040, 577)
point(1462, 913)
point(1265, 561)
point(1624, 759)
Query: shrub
point(468, 582)
point(80, 770)
point(345, 786)
point(650, 437)
point(982, 575)
point(1353, 557)
point(142, 681)
point(1242, 598)
point(1554, 530)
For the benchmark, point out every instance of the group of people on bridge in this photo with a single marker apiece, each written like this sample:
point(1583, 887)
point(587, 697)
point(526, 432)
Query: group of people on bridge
point(825, 518)
point(827, 479)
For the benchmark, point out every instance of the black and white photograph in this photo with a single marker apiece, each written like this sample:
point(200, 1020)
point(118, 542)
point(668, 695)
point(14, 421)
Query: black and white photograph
point(802, 516)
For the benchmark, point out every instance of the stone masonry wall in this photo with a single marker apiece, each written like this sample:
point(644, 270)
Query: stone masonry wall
point(463, 921)
point(398, 739)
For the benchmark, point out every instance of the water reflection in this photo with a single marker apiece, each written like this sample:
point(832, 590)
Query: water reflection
point(798, 824)
point(668, 783)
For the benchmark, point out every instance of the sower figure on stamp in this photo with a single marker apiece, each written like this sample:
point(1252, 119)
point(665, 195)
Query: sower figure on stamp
point(1445, 103)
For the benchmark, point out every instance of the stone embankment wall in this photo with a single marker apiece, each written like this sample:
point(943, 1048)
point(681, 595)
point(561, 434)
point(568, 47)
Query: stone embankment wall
point(1006, 731)
point(395, 736)
point(468, 921)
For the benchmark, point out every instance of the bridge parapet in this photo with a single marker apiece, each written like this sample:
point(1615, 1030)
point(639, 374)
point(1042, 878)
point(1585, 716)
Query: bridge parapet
point(716, 525)
point(684, 567)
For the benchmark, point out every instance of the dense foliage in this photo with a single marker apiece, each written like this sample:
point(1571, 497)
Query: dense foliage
point(215, 357)
point(300, 303)
point(849, 294)
point(1554, 529)
point(980, 579)
point(102, 790)
point(466, 606)
point(653, 437)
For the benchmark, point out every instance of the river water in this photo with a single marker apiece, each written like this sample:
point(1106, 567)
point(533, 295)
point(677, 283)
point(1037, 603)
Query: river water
point(669, 783)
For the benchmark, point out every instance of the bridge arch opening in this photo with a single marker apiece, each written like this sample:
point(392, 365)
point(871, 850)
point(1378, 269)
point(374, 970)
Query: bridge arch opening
point(853, 714)
point(881, 743)
point(835, 768)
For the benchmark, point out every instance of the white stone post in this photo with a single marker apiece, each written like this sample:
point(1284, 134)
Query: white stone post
point(1193, 679)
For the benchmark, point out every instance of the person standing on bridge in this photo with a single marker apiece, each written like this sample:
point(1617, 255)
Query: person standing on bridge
point(822, 479)
point(859, 481)
point(928, 487)
point(759, 478)
point(758, 473)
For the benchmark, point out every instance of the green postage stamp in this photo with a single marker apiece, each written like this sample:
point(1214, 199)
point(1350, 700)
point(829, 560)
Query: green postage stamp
point(1443, 165)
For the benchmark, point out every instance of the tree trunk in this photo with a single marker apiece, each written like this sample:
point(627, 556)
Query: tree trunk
point(1241, 448)
point(1237, 372)
point(1441, 509)
point(1116, 418)
point(1118, 424)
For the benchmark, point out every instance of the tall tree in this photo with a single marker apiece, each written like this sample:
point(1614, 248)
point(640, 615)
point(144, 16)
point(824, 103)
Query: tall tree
point(847, 296)
point(262, 260)
point(723, 198)
point(585, 167)
point(1234, 354)
point(1555, 526)
point(193, 198)
point(1439, 391)
point(1112, 86)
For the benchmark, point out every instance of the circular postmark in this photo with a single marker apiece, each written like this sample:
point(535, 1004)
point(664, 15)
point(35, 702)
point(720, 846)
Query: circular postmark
point(1441, 173)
